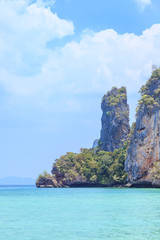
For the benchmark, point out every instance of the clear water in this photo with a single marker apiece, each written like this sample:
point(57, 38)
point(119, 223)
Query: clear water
point(28, 213)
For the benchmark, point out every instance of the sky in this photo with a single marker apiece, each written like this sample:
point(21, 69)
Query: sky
point(57, 60)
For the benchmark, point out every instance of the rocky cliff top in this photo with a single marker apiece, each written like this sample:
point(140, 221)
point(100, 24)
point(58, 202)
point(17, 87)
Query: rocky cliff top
point(115, 119)
point(150, 94)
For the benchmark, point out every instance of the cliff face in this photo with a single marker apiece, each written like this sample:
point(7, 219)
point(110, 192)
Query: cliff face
point(103, 165)
point(142, 164)
point(115, 119)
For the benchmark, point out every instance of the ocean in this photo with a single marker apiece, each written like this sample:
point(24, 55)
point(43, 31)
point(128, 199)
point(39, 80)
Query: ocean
point(28, 213)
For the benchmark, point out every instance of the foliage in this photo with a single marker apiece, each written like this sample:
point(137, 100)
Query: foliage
point(148, 101)
point(94, 165)
point(155, 72)
point(45, 174)
point(156, 171)
point(121, 90)
point(150, 92)
point(115, 96)
point(153, 79)
point(121, 114)
point(157, 92)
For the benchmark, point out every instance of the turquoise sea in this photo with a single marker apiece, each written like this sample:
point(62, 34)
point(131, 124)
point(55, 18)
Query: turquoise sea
point(28, 213)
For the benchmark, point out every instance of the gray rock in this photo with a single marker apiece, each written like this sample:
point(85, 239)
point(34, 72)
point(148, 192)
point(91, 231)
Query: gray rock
point(144, 151)
point(115, 119)
point(95, 143)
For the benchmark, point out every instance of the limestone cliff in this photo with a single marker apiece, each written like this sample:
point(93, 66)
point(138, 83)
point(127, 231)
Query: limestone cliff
point(95, 167)
point(103, 165)
point(115, 119)
point(142, 164)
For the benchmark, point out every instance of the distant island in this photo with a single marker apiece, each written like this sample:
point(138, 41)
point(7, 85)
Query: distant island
point(123, 156)
point(16, 181)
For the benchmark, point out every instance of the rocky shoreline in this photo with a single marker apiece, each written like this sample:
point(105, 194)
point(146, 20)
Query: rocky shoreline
point(45, 183)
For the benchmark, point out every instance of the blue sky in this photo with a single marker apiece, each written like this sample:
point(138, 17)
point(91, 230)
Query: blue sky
point(57, 60)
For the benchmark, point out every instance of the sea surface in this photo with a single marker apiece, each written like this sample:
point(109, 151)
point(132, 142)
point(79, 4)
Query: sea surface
point(28, 213)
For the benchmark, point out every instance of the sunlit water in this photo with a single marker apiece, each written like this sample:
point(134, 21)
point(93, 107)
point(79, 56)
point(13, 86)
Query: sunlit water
point(27, 213)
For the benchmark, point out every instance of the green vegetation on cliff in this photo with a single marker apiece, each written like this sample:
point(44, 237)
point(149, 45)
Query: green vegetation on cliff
point(145, 89)
point(93, 166)
point(147, 101)
point(150, 92)
point(45, 174)
point(115, 96)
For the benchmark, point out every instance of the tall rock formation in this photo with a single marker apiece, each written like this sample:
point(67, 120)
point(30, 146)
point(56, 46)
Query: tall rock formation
point(115, 119)
point(93, 167)
point(143, 161)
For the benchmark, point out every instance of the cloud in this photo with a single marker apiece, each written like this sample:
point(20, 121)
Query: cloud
point(92, 65)
point(97, 62)
point(143, 3)
point(25, 30)
point(106, 58)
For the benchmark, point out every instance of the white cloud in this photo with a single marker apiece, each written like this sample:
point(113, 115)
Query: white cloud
point(143, 3)
point(101, 60)
point(96, 63)
point(92, 65)
point(25, 30)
